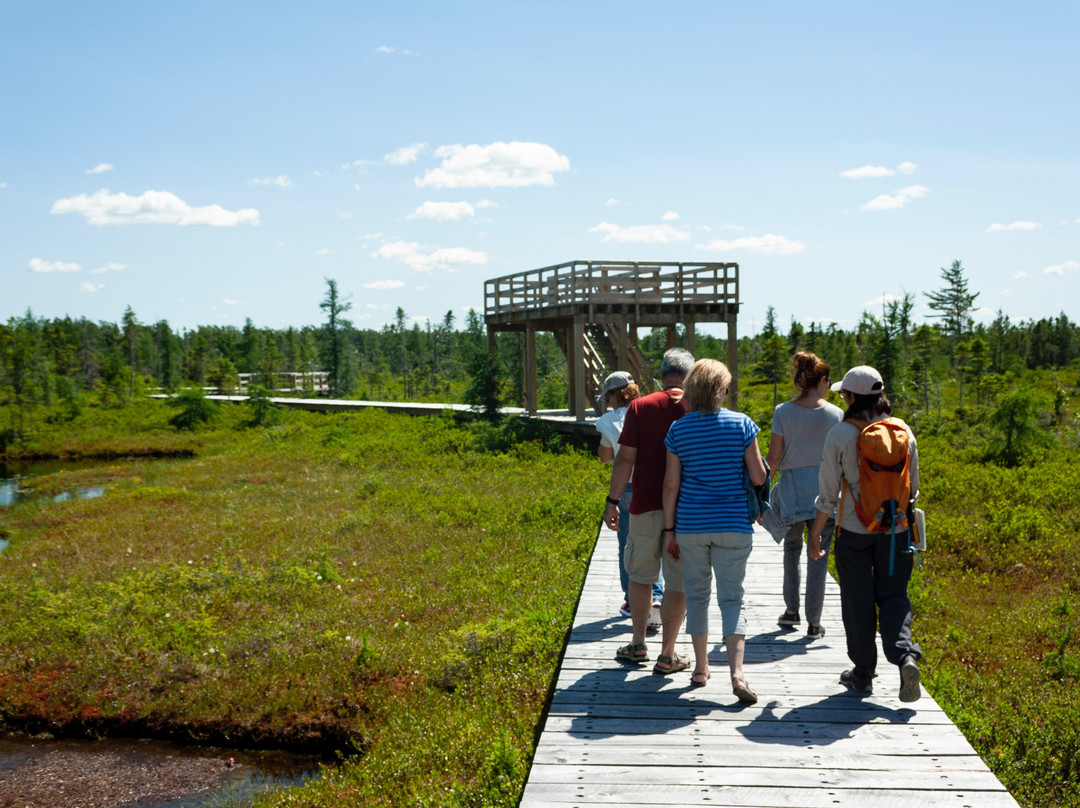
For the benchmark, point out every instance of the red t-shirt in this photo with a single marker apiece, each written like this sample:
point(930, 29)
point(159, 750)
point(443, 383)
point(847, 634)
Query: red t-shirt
point(645, 427)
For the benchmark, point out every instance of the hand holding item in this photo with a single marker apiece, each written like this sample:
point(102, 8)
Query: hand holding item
point(815, 552)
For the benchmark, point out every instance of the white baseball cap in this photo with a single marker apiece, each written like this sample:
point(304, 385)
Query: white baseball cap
point(862, 381)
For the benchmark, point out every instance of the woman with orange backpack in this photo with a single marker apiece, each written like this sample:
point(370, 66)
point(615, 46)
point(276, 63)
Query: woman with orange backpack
point(871, 466)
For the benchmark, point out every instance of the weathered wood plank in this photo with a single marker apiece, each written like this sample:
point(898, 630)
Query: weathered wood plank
point(618, 734)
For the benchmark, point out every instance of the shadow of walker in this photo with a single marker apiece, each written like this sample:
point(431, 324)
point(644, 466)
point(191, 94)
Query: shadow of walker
point(833, 718)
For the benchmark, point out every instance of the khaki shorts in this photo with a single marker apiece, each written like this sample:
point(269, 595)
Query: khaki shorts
point(644, 552)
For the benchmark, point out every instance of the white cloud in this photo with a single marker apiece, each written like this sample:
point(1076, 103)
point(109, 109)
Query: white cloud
point(413, 256)
point(640, 233)
point(4, 185)
point(906, 167)
point(486, 203)
point(324, 251)
point(512, 165)
point(768, 244)
point(152, 207)
point(345, 214)
point(372, 236)
point(897, 200)
point(109, 267)
point(611, 203)
point(1020, 274)
point(384, 285)
point(100, 168)
point(996, 228)
point(40, 265)
point(90, 286)
point(867, 171)
point(670, 216)
point(358, 165)
point(1060, 269)
point(384, 49)
point(280, 181)
point(404, 155)
point(442, 211)
point(229, 302)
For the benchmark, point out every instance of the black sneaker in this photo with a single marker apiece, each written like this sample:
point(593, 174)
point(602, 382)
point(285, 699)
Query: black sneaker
point(815, 632)
point(788, 619)
point(909, 679)
point(858, 682)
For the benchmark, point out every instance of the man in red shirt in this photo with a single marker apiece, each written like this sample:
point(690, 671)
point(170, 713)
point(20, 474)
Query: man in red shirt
point(643, 455)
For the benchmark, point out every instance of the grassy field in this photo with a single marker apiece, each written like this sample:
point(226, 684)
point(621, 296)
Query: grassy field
point(362, 583)
point(401, 588)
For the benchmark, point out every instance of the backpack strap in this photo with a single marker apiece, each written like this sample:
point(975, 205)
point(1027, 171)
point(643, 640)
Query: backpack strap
point(860, 425)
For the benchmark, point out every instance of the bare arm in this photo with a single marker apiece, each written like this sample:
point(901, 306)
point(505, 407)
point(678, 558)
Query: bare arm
point(752, 457)
point(672, 482)
point(814, 551)
point(620, 476)
point(776, 451)
point(605, 453)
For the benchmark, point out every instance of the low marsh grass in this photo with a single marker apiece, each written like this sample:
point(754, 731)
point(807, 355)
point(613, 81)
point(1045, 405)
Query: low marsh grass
point(351, 583)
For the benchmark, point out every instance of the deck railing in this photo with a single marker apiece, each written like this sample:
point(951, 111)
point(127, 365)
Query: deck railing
point(613, 283)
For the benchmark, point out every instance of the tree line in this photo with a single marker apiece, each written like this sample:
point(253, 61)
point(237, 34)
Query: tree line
point(63, 361)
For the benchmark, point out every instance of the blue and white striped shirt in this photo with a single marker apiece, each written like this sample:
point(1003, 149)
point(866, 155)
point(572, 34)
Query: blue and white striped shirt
point(711, 447)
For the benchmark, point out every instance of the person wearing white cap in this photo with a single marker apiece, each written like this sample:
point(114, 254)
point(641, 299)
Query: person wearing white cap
point(872, 569)
point(618, 391)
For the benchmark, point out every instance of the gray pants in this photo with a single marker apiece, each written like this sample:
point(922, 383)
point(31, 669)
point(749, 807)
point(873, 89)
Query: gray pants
point(815, 570)
point(719, 555)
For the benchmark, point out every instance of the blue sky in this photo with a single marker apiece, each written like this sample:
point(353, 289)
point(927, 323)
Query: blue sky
point(209, 162)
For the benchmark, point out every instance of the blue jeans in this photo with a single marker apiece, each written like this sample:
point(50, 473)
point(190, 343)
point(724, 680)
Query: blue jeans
point(624, 531)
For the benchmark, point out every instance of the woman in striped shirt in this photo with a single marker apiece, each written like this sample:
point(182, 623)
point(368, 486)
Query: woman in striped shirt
point(706, 515)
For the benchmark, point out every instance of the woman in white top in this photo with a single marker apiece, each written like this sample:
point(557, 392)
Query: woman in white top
point(799, 428)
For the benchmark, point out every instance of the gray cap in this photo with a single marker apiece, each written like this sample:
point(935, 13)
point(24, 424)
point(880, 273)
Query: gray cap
point(616, 381)
point(862, 381)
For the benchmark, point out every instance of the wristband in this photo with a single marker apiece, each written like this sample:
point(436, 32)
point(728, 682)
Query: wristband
point(611, 501)
point(669, 530)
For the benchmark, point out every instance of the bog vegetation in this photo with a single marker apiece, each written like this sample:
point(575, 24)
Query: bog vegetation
point(402, 587)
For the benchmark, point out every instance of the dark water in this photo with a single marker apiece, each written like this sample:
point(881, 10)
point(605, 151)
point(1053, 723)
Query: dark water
point(252, 772)
point(11, 473)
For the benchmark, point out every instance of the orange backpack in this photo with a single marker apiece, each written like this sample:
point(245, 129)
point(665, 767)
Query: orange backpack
point(884, 474)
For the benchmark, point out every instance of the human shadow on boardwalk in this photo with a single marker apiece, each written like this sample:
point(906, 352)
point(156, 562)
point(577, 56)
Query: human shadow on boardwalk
point(628, 701)
point(833, 718)
point(607, 628)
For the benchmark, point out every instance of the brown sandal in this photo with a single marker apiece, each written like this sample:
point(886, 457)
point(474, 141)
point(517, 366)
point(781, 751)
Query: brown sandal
point(743, 692)
point(634, 653)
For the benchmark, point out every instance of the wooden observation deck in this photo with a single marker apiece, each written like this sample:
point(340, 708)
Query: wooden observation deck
point(594, 309)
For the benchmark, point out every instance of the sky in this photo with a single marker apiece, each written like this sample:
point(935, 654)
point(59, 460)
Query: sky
point(209, 162)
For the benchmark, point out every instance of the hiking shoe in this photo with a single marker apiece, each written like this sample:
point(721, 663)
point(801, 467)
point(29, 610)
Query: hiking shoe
point(788, 619)
point(909, 679)
point(815, 632)
point(624, 610)
point(857, 681)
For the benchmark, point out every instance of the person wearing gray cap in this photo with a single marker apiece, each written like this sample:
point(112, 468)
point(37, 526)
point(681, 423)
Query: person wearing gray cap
point(872, 567)
point(643, 455)
point(618, 391)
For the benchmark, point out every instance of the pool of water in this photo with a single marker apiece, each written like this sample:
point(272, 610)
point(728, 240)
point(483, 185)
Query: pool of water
point(11, 475)
point(158, 774)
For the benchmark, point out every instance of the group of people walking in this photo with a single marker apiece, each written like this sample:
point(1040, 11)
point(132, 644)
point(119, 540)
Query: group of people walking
point(684, 473)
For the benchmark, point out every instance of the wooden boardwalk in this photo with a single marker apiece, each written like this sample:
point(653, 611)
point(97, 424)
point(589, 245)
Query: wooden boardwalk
point(620, 735)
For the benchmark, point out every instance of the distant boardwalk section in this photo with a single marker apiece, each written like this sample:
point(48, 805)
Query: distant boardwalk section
point(621, 735)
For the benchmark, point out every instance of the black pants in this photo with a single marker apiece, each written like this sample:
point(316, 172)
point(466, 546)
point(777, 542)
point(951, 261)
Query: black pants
point(870, 596)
